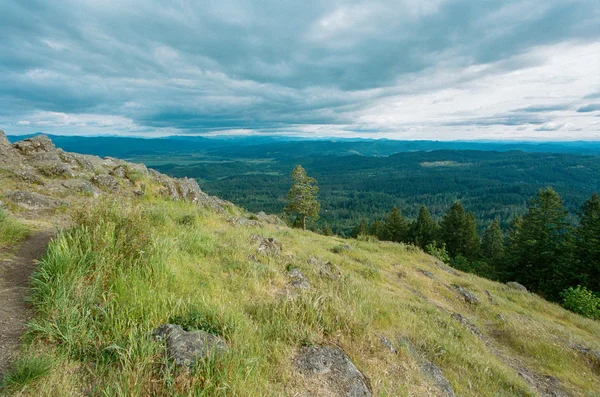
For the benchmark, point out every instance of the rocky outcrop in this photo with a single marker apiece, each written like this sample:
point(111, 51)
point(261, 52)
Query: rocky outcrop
point(516, 286)
point(326, 269)
point(298, 280)
point(185, 348)
point(36, 160)
point(266, 246)
point(438, 378)
point(467, 295)
point(32, 201)
point(335, 372)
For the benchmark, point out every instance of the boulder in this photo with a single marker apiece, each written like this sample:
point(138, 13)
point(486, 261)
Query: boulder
point(426, 273)
point(516, 286)
point(468, 296)
point(105, 181)
point(32, 201)
point(326, 269)
point(436, 375)
point(81, 186)
point(37, 144)
point(266, 246)
point(470, 326)
point(4, 140)
point(337, 374)
point(185, 348)
point(28, 176)
point(298, 280)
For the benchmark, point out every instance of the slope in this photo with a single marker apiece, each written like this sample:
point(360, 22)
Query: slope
point(385, 319)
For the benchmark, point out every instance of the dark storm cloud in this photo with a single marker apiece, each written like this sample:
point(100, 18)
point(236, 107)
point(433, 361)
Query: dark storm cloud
point(217, 65)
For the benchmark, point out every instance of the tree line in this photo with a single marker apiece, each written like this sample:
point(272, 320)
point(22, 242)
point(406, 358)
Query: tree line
point(540, 249)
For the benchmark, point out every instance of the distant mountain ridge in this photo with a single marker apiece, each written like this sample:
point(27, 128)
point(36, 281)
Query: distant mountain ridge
point(252, 146)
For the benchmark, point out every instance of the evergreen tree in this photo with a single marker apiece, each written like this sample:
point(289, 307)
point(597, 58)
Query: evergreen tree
point(327, 230)
point(425, 229)
point(472, 242)
point(396, 226)
point(452, 229)
point(492, 245)
point(302, 197)
point(361, 230)
point(378, 230)
point(587, 243)
point(459, 232)
point(539, 246)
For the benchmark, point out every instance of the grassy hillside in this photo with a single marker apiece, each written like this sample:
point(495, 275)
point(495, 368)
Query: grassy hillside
point(128, 267)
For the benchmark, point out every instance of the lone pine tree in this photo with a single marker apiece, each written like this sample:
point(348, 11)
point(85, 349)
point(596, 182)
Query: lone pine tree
point(302, 197)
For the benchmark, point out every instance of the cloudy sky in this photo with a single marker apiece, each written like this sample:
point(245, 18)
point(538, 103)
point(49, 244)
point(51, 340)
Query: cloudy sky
point(404, 69)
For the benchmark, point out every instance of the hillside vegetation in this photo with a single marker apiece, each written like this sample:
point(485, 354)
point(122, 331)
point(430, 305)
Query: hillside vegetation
point(132, 262)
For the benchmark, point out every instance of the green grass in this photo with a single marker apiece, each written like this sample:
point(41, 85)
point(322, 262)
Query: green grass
point(12, 231)
point(24, 372)
point(127, 268)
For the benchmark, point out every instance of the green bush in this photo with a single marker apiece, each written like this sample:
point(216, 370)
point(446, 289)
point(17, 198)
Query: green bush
point(582, 301)
point(438, 252)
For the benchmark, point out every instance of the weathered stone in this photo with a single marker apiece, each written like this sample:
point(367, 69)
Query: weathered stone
point(266, 246)
point(326, 269)
point(387, 344)
point(28, 176)
point(298, 280)
point(185, 348)
point(593, 355)
point(338, 374)
point(37, 144)
point(32, 201)
point(470, 326)
point(119, 172)
point(426, 273)
point(438, 378)
point(517, 286)
point(468, 296)
point(80, 186)
point(105, 181)
point(3, 139)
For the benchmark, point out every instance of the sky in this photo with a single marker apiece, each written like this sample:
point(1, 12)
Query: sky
point(403, 69)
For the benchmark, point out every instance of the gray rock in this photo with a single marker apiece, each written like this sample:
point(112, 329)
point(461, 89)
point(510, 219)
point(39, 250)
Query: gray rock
point(28, 176)
point(516, 286)
point(438, 378)
point(326, 269)
point(298, 280)
point(189, 189)
point(470, 326)
point(105, 181)
point(427, 273)
point(468, 296)
point(185, 348)
point(587, 352)
point(339, 374)
point(266, 246)
point(3, 139)
point(37, 144)
point(32, 201)
point(119, 172)
point(80, 186)
point(387, 344)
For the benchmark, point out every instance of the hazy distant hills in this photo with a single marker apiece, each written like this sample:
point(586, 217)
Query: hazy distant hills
point(265, 146)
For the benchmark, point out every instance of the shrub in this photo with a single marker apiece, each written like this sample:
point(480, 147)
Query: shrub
point(438, 252)
point(582, 301)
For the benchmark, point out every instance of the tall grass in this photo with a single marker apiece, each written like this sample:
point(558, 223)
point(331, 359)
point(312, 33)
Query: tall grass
point(12, 231)
point(127, 268)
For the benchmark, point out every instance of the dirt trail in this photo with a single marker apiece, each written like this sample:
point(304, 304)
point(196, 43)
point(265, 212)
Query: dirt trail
point(14, 280)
